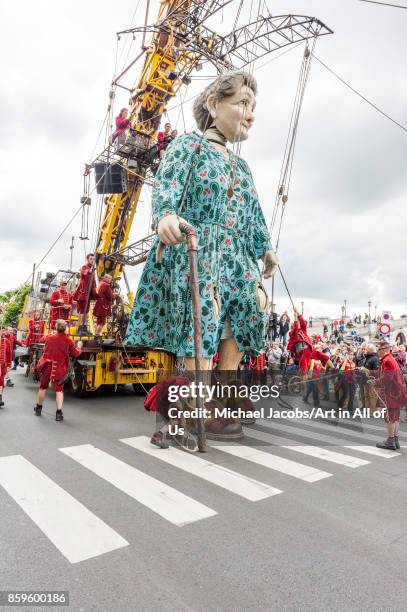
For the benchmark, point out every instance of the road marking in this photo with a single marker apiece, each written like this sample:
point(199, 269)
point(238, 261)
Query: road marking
point(335, 430)
point(169, 503)
point(328, 455)
point(379, 452)
point(219, 475)
point(313, 451)
point(273, 462)
point(72, 528)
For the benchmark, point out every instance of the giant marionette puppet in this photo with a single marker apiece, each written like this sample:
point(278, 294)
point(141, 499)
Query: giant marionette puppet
point(203, 182)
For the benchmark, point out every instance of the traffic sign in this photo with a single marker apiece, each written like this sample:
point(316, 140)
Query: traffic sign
point(384, 329)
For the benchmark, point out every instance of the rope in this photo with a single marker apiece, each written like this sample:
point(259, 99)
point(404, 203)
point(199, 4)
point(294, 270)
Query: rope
point(379, 110)
point(285, 285)
point(385, 4)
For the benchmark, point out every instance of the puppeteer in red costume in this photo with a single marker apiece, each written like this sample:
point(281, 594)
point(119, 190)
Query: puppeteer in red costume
point(104, 301)
point(86, 290)
point(54, 362)
point(35, 330)
point(6, 356)
point(61, 304)
point(301, 347)
point(391, 386)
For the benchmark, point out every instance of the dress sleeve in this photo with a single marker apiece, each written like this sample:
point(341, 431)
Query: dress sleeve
point(172, 175)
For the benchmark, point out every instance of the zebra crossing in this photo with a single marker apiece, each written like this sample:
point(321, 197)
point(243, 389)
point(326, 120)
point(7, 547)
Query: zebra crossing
point(79, 534)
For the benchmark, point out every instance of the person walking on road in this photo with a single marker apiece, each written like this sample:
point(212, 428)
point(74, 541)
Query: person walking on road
point(392, 391)
point(5, 360)
point(53, 366)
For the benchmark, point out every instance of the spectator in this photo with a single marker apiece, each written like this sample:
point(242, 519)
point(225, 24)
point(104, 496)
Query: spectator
point(284, 326)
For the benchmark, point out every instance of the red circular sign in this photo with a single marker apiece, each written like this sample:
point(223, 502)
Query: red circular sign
point(384, 328)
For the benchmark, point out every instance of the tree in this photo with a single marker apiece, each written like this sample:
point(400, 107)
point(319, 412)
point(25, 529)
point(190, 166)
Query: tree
point(11, 305)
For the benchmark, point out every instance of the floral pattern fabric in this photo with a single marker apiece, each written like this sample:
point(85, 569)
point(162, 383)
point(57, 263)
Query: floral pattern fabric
point(232, 236)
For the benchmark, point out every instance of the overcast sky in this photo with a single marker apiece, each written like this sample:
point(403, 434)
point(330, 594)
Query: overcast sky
point(344, 229)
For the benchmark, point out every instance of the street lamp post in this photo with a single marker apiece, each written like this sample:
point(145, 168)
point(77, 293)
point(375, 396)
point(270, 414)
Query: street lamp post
point(370, 320)
point(302, 308)
point(375, 313)
point(344, 303)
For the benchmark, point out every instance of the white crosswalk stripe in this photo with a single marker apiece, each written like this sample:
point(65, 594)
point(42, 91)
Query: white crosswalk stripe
point(70, 526)
point(335, 434)
point(169, 503)
point(274, 462)
point(334, 430)
point(221, 476)
point(312, 451)
point(329, 455)
point(371, 450)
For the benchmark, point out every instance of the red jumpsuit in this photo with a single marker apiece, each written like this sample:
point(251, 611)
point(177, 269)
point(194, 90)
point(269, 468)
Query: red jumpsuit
point(391, 387)
point(121, 127)
point(35, 332)
point(13, 340)
point(54, 362)
point(6, 356)
point(81, 292)
point(57, 309)
point(103, 304)
point(300, 345)
point(161, 144)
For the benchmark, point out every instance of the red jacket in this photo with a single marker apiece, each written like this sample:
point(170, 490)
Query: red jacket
point(161, 136)
point(316, 369)
point(298, 333)
point(57, 310)
point(306, 356)
point(6, 353)
point(391, 384)
point(81, 292)
point(103, 305)
point(258, 364)
point(12, 341)
point(121, 126)
point(58, 348)
point(35, 332)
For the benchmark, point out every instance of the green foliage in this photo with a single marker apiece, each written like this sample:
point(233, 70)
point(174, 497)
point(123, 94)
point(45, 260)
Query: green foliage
point(11, 305)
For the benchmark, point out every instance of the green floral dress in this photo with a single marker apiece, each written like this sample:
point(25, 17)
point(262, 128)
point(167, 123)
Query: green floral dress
point(232, 236)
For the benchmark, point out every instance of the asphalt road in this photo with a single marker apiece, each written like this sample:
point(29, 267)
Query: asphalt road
point(290, 529)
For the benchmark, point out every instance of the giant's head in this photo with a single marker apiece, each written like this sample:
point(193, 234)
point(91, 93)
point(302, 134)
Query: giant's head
point(228, 103)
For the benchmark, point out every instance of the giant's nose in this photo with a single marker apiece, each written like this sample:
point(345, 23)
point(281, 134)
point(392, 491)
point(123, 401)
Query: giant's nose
point(249, 116)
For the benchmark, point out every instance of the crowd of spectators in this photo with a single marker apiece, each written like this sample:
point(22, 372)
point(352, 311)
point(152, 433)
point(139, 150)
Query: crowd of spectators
point(356, 364)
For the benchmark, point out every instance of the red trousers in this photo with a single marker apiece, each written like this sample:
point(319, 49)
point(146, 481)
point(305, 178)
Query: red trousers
point(3, 371)
point(46, 378)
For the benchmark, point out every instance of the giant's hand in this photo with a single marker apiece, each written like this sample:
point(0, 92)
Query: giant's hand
point(168, 230)
point(270, 264)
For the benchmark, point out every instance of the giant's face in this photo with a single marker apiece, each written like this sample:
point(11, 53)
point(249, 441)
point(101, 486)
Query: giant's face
point(234, 115)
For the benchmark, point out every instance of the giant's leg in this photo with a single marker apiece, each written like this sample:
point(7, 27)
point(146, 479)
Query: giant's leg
point(219, 428)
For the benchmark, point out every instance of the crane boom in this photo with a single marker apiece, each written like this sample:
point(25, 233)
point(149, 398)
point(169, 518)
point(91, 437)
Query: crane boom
point(165, 66)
